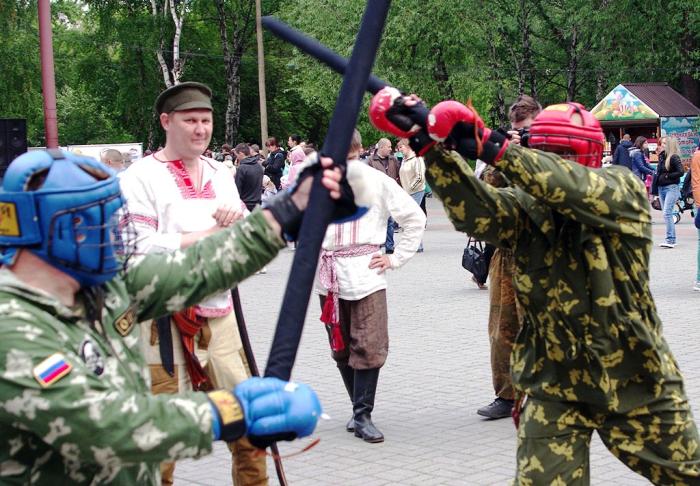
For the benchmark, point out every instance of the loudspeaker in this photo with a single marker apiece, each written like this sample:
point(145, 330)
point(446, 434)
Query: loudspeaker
point(13, 141)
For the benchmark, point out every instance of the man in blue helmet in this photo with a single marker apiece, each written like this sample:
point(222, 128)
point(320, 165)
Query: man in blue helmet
point(74, 393)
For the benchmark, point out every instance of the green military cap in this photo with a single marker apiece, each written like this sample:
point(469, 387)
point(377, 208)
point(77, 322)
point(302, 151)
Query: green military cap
point(184, 96)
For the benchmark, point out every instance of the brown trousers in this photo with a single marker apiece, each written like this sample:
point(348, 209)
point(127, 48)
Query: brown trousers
point(504, 321)
point(364, 325)
point(218, 349)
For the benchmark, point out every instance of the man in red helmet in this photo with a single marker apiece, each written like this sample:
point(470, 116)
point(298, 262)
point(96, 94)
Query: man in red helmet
point(591, 354)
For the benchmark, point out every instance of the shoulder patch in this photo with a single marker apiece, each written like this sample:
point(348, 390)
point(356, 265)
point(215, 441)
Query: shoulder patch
point(92, 357)
point(125, 322)
point(52, 369)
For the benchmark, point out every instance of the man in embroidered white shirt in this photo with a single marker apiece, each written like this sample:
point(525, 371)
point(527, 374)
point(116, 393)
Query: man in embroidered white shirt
point(177, 196)
point(352, 285)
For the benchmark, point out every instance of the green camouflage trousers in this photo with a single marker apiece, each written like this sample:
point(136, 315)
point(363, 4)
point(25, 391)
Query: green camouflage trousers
point(654, 435)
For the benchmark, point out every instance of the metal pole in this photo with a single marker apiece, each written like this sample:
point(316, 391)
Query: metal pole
point(261, 77)
point(48, 81)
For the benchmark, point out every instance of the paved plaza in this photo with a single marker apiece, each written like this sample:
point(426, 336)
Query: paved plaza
point(437, 374)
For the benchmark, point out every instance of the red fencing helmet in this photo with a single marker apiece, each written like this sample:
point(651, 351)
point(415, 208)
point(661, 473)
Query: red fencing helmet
point(571, 131)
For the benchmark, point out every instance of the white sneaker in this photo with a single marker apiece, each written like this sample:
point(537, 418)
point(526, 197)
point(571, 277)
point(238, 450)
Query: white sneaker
point(696, 287)
point(667, 245)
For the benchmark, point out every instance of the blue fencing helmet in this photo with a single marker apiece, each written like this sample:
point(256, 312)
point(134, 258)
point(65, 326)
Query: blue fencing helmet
point(64, 208)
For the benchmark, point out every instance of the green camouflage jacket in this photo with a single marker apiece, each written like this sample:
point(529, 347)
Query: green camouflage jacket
point(75, 405)
point(581, 240)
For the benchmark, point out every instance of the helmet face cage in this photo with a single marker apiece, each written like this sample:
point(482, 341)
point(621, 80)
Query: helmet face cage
point(580, 150)
point(124, 235)
point(89, 240)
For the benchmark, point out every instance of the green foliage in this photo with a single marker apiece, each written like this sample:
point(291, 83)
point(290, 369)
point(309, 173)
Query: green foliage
point(20, 82)
point(107, 74)
point(83, 120)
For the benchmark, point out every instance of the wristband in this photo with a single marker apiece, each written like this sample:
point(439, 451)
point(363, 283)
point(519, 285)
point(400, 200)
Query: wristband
point(228, 421)
point(420, 142)
point(493, 147)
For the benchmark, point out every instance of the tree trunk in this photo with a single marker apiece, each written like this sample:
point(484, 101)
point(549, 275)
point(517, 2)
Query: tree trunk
point(572, 66)
point(690, 87)
point(600, 86)
point(233, 95)
point(165, 71)
point(527, 64)
point(178, 62)
point(498, 111)
point(519, 71)
point(243, 23)
point(164, 67)
point(171, 75)
point(442, 76)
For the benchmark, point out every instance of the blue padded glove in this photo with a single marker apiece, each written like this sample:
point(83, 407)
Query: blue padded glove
point(697, 217)
point(277, 410)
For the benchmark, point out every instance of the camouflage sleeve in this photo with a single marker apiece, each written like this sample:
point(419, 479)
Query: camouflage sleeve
point(609, 199)
point(164, 283)
point(474, 207)
point(107, 420)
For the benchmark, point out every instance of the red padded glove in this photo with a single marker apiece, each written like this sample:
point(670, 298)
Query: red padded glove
point(460, 127)
point(389, 113)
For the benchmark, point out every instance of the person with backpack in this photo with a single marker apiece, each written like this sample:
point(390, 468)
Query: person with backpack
point(622, 155)
point(640, 166)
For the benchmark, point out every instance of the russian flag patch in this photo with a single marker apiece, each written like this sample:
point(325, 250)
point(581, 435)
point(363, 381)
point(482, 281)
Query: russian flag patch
point(52, 369)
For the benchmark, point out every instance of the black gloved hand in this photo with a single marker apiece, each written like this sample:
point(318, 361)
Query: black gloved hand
point(460, 128)
point(404, 116)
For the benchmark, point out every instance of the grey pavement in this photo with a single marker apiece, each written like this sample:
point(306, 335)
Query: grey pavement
point(437, 374)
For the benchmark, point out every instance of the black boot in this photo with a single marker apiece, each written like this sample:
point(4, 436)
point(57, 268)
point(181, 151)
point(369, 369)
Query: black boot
point(498, 409)
point(348, 375)
point(363, 404)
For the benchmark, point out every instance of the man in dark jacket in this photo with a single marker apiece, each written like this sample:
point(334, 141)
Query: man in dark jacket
point(622, 154)
point(274, 165)
point(248, 176)
point(383, 160)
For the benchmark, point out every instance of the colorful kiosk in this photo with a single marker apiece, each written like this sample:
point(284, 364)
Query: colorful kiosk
point(651, 110)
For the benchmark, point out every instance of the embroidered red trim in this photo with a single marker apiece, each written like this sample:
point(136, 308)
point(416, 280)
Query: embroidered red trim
point(184, 182)
point(139, 218)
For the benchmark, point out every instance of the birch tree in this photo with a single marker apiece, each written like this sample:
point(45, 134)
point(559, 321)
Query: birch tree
point(236, 19)
point(175, 9)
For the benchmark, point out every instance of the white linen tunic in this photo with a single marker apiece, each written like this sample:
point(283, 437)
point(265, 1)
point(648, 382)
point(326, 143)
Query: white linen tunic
point(162, 204)
point(355, 279)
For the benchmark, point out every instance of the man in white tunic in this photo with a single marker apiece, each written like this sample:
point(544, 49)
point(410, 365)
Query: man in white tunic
point(177, 196)
point(352, 286)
